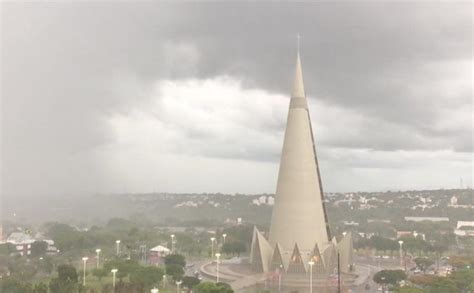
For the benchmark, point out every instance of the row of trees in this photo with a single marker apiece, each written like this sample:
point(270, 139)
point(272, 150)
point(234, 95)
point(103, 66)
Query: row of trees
point(411, 244)
point(132, 277)
point(458, 281)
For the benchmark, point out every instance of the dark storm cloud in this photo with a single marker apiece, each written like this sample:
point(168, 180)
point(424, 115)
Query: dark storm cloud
point(65, 66)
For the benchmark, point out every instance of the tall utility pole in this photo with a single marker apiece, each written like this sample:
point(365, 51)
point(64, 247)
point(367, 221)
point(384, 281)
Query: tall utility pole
point(143, 253)
point(338, 273)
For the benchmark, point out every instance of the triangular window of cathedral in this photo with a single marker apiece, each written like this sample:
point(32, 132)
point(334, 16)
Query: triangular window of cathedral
point(317, 259)
point(277, 260)
point(296, 264)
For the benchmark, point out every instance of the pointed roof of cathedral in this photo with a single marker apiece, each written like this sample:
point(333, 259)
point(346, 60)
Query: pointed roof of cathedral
point(298, 84)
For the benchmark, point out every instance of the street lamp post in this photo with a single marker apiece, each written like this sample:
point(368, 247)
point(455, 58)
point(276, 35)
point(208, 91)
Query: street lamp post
point(98, 250)
point(218, 255)
point(224, 236)
point(172, 243)
point(117, 242)
point(338, 272)
point(213, 239)
point(164, 281)
point(401, 252)
point(177, 285)
point(280, 270)
point(84, 260)
point(311, 264)
point(114, 271)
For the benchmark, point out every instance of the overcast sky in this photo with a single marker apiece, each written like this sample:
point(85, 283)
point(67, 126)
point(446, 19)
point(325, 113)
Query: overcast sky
point(142, 97)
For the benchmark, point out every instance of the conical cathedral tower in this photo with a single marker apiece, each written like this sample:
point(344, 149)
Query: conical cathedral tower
point(299, 229)
point(299, 215)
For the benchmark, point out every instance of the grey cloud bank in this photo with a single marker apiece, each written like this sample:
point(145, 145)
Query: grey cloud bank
point(159, 96)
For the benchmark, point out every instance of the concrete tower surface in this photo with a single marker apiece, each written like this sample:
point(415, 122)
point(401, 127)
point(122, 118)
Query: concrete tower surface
point(299, 231)
point(299, 215)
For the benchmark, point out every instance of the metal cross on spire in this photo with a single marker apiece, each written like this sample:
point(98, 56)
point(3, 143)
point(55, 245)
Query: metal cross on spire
point(298, 39)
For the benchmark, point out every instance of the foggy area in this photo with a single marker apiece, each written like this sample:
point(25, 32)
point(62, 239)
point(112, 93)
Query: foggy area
point(159, 146)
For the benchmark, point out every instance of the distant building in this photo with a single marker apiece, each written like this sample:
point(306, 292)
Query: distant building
point(157, 254)
point(378, 221)
point(464, 228)
point(454, 200)
point(23, 241)
point(404, 233)
point(430, 219)
point(351, 223)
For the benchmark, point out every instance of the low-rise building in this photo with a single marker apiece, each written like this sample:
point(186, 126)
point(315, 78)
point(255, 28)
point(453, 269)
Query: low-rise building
point(464, 228)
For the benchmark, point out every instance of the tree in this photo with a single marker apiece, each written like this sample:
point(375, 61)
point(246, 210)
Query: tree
point(65, 237)
point(10, 285)
point(460, 262)
point(57, 286)
point(99, 273)
point(176, 259)
point(423, 263)
point(463, 279)
point(190, 282)
point(209, 287)
point(40, 288)
point(147, 277)
point(443, 285)
point(409, 290)
point(383, 244)
point(234, 247)
point(125, 267)
point(67, 273)
point(46, 264)
point(174, 270)
point(38, 248)
point(7, 249)
point(391, 277)
point(66, 282)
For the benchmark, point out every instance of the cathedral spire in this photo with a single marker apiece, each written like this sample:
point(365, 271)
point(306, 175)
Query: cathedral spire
point(298, 85)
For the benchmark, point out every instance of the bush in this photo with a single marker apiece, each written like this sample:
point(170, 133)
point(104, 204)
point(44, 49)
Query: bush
point(146, 276)
point(174, 270)
point(391, 277)
point(175, 259)
point(190, 282)
point(209, 287)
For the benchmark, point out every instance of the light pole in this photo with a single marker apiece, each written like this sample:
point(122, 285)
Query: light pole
point(338, 272)
point(224, 236)
point(117, 242)
point(177, 285)
point(98, 250)
point(172, 243)
point(279, 277)
point(84, 260)
point(401, 252)
point(218, 255)
point(212, 245)
point(114, 271)
point(164, 281)
point(155, 290)
point(311, 264)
